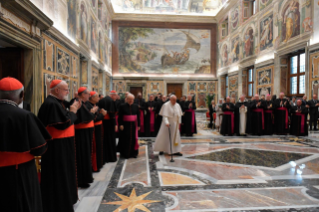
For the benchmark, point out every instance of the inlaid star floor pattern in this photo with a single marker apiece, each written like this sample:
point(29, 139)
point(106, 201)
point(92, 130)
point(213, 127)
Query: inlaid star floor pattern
point(215, 173)
point(132, 202)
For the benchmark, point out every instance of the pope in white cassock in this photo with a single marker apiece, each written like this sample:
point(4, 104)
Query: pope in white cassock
point(171, 113)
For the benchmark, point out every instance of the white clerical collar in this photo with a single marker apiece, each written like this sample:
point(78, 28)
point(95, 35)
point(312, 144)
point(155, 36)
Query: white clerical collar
point(21, 105)
point(9, 102)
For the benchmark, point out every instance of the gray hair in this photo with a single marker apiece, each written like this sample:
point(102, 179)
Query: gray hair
point(58, 85)
point(130, 95)
point(11, 95)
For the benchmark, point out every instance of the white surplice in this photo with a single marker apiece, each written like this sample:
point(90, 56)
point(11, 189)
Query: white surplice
point(242, 120)
point(171, 115)
point(219, 117)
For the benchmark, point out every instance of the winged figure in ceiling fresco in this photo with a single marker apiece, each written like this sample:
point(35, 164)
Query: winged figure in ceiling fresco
point(180, 58)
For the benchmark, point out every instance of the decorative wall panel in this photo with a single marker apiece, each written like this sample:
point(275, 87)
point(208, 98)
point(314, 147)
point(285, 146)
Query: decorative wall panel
point(58, 62)
point(265, 80)
point(233, 86)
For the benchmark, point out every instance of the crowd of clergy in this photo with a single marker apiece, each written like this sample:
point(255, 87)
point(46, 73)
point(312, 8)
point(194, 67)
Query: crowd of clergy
point(76, 138)
point(264, 115)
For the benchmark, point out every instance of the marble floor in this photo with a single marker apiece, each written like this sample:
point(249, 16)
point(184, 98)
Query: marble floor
point(215, 173)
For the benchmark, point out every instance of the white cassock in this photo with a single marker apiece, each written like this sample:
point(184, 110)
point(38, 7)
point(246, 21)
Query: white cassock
point(242, 120)
point(219, 111)
point(171, 115)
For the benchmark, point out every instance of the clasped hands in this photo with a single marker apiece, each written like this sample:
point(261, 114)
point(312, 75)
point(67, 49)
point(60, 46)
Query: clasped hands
point(94, 109)
point(75, 106)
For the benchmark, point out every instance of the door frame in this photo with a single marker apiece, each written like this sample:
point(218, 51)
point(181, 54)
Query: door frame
point(137, 84)
point(175, 83)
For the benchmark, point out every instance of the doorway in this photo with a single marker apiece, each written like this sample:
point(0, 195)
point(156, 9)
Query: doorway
point(12, 63)
point(136, 90)
point(175, 88)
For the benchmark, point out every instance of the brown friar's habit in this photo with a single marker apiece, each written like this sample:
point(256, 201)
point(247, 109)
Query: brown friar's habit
point(23, 136)
point(97, 151)
point(58, 169)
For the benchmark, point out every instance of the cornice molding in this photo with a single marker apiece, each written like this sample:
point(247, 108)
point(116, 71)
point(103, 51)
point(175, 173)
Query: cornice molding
point(229, 5)
point(163, 18)
point(28, 12)
point(313, 47)
point(264, 63)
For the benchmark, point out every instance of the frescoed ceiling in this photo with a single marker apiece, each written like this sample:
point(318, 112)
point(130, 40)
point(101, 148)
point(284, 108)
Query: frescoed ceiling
point(171, 7)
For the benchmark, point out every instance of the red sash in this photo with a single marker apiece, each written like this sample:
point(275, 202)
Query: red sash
point(142, 120)
point(152, 120)
point(14, 158)
point(133, 118)
point(84, 125)
point(302, 130)
point(98, 123)
point(270, 111)
point(259, 110)
point(283, 108)
point(56, 134)
point(193, 118)
point(232, 119)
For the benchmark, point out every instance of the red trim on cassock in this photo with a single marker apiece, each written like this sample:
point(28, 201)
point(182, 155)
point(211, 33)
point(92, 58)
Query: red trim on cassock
point(56, 134)
point(14, 158)
point(84, 125)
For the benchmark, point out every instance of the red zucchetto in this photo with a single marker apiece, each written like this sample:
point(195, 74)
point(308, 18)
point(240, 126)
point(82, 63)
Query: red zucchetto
point(10, 84)
point(81, 90)
point(55, 83)
point(113, 92)
point(92, 93)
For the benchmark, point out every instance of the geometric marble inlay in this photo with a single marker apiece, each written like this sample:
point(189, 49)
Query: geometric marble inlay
point(177, 179)
point(251, 157)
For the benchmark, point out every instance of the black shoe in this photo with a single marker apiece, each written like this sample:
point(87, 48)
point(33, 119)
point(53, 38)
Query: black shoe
point(161, 153)
point(85, 185)
point(178, 154)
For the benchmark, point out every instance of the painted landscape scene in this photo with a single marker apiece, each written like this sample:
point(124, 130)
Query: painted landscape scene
point(164, 51)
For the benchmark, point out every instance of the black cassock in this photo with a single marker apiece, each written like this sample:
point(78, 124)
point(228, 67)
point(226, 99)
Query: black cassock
point(83, 144)
point(297, 120)
point(109, 143)
point(21, 132)
point(227, 124)
point(127, 142)
point(257, 117)
point(97, 151)
point(182, 104)
point(211, 118)
point(190, 118)
point(141, 105)
point(269, 118)
point(237, 115)
point(58, 169)
point(149, 127)
point(118, 103)
point(159, 118)
point(281, 116)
